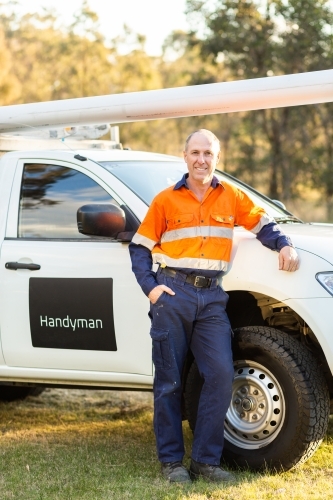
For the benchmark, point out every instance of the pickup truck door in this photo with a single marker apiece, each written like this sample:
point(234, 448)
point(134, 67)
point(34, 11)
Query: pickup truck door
point(68, 301)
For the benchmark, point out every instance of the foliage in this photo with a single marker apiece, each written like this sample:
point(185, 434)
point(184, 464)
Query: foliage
point(286, 152)
point(9, 84)
point(272, 38)
point(53, 63)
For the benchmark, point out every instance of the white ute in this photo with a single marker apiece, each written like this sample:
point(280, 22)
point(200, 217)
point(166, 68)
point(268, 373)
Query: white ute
point(72, 313)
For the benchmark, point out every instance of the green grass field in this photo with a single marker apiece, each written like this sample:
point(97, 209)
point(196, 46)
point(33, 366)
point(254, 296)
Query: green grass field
point(99, 445)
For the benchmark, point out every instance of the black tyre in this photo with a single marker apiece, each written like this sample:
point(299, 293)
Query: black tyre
point(14, 393)
point(279, 409)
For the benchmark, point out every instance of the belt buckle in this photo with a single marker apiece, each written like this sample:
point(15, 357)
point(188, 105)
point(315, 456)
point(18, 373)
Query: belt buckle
point(198, 281)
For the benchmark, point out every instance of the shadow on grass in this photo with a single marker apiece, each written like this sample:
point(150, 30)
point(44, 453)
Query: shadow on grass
point(329, 434)
point(61, 410)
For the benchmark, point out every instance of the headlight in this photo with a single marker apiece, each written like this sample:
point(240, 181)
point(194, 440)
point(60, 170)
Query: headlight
point(326, 280)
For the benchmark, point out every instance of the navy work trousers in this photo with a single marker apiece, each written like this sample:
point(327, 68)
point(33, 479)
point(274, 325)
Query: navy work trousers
point(194, 318)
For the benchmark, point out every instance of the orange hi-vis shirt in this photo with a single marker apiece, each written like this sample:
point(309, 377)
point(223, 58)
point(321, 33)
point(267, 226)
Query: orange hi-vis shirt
point(183, 232)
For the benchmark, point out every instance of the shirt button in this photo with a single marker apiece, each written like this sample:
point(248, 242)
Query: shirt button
point(202, 221)
point(204, 237)
point(202, 255)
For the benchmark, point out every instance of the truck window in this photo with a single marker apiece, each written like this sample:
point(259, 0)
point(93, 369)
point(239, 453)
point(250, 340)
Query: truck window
point(50, 197)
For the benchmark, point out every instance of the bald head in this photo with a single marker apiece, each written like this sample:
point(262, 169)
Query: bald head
point(201, 154)
point(208, 134)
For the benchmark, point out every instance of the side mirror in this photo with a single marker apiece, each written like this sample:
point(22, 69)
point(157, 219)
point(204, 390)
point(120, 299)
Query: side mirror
point(101, 220)
point(279, 204)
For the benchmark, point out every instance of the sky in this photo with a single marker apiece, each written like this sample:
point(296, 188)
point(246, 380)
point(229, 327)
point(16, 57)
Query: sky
point(155, 19)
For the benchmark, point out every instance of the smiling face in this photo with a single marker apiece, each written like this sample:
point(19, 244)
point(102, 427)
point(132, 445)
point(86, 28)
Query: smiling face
point(201, 156)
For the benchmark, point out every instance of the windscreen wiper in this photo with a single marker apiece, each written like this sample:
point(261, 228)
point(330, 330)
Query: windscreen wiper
point(287, 219)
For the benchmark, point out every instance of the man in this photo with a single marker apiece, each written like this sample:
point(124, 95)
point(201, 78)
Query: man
point(188, 232)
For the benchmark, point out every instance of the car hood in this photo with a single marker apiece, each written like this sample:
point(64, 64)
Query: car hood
point(312, 237)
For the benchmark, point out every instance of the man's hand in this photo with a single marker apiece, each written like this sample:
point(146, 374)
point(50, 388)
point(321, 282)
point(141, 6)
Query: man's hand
point(157, 292)
point(288, 259)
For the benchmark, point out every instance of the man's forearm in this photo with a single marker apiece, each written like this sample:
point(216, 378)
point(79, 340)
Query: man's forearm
point(273, 237)
point(142, 267)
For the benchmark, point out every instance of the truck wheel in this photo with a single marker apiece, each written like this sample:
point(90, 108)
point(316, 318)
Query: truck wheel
point(279, 409)
point(14, 393)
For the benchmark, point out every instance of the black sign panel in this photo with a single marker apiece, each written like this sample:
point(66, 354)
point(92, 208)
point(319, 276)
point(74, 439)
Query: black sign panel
point(72, 313)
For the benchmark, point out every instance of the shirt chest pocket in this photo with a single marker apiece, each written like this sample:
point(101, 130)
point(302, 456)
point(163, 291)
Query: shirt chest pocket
point(223, 219)
point(180, 220)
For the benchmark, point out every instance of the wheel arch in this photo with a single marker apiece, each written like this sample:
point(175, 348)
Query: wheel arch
point(247, 308)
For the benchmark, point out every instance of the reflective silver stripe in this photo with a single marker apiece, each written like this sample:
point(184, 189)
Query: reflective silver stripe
point(193, 263)
point(265, 219)
point(194, 232)
point(138, 239)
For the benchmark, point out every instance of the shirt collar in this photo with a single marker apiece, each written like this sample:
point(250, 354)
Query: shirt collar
point(182, 182)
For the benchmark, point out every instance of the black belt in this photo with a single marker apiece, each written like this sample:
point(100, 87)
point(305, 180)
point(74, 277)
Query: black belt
point(198, 281)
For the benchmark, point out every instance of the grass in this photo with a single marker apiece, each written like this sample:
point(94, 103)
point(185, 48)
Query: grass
point(99, 445)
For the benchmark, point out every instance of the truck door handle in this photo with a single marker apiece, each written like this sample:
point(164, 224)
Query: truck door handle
point(22, 265)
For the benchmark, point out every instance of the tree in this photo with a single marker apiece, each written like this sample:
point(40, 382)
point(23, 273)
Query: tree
point(54, 62)
point(269, 38)
point(9, 85)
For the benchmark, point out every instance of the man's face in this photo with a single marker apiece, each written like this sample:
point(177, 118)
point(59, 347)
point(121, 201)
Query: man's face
point(201, 156)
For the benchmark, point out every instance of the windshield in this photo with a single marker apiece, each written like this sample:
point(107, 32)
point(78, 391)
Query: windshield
point(147, 178)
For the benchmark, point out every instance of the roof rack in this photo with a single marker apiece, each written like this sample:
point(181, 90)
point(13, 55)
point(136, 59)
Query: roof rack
point(67, 138)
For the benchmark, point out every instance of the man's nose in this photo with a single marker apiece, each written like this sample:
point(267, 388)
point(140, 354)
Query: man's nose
point(201, 158)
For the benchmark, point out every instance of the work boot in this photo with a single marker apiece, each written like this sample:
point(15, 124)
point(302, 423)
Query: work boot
point(213, 473)
point(175, 472)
